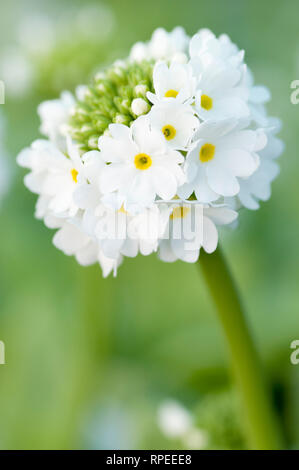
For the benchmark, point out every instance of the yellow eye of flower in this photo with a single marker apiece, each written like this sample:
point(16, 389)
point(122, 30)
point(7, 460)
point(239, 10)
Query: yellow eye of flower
point(122, 210)
point(169, 132)
point(142, 161)
point(74, 174)
point(180, 212)
point(206, 102)
point(171, 94)
point(207, 152)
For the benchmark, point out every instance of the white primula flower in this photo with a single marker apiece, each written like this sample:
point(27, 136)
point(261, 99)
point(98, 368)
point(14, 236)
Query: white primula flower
point(192, 227)
point(121, 233)
point(54, 115)
point(118, 232)
point(54, 175)
point(259, 96)
point(219, 92)
point(141, 165)
point(163, 45)
point(258, 186)
point(173, 81)
point(74, 242)
point(221, 154)
point(205, 45)
point(178, 122)
point(175, 121)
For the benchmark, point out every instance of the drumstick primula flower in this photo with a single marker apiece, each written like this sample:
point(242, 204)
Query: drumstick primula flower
point(176, 131)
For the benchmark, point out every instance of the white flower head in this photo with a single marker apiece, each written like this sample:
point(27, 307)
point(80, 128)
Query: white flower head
point(161, 150)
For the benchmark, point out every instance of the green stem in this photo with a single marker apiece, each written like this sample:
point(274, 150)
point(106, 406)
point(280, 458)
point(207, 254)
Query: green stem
point(262, 426)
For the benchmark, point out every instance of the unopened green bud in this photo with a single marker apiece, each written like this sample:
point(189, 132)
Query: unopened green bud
point(117, 95)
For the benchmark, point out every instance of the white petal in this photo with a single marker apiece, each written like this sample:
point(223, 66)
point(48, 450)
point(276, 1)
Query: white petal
point(222, 181)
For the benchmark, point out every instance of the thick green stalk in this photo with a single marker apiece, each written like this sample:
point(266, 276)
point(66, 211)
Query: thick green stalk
point(262, 426)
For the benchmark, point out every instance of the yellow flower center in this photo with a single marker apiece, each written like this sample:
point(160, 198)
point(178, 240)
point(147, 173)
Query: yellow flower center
point(206, 102)
point(122, 210)
point(74, 174)
point(207, 152)
point(142, 161)
point(169, 132)
point(171, 94)
point(180, 212)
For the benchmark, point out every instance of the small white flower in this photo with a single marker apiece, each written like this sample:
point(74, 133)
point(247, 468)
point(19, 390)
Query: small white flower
point(192, 227)
point(54, 115)
point(139, 52)
point(175, 121)
point(173, 81)
point(173, 419)
point(163, 45)
point(141, 165)
point(121, 233)
point(176, 422)
point(117, 231)
point(258, 186)
point(74, 242)
point(221, 154)
point(53, 174)
point(205, 45)
point(259, 95)
point(219, 92)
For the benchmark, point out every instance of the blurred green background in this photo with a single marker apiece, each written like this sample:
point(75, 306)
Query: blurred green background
point(89, 361)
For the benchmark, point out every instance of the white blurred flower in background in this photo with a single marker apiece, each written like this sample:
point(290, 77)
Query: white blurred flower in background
point(49, 49)
point(16, 71)
point(176, 422)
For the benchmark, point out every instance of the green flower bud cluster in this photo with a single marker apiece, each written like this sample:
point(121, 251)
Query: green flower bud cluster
point(109, 100)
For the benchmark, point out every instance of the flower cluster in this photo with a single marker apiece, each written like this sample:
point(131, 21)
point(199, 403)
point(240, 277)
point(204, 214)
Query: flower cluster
point(156, 153)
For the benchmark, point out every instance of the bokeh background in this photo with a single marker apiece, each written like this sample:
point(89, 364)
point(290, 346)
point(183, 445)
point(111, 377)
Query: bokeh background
point(90, 361)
